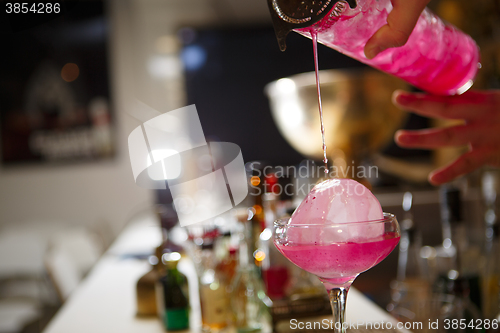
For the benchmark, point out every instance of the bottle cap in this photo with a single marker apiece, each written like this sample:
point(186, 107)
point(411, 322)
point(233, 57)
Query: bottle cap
point(170, 259)
point(294, 14)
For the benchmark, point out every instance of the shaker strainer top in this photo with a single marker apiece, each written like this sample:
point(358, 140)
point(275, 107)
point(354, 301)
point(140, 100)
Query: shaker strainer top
point(293, 14)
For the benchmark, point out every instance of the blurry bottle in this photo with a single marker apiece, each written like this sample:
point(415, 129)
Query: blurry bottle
point(459, 262)
point(146, 286)
point(214, 298)
point(145, 289)
point(256, 213)
point(491, 278)
point(249, 301)
point(274, 264)
point(257, 223)
point(225, 254)
point(491, 282)
point(409, 261)
point(227, 266)
point(411, 289)
point(173, 295)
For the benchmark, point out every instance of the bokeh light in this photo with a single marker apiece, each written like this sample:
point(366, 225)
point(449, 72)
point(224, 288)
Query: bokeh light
point(70, 72)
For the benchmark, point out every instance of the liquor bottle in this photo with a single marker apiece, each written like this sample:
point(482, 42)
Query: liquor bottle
point(145, 289)
point(409, 261)
point(491, 283)
point(249, 302)
point(256, 213)
point(411, 288)
point(227, 266)
point(491, 277)
point(274, 265)
point(146, 286)
point(458, 260)
point(173, 295)
point(214, 298)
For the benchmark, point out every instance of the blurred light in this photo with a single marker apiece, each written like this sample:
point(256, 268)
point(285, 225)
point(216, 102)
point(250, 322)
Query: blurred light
point(447, 243)
point(70, 72)
point(193, 57)
point(294, 116)
point(258, 209)
point(214, 285)
point(255, 181)
point(184, 204)
point(178, 234)
point(294, 113)
point(165, 67)
point(489, 233)
point(266, 234)
point(490, 217)
point(465, 87)
point(427, 252)
point(173, 256)
point(251, 213)
point(453, 274)
point(259, 255)
point(219, 221)
point(286, 86)
point(153, 260)
point(208, 277)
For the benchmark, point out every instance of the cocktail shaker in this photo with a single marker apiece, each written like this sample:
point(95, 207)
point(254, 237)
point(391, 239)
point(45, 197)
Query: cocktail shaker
point(437, 58)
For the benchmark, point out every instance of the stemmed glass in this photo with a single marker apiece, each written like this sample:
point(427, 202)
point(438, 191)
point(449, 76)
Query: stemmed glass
point(337, 253)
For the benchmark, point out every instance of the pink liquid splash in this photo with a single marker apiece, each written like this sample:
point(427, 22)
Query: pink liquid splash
point(339, 263)
point(437, 58)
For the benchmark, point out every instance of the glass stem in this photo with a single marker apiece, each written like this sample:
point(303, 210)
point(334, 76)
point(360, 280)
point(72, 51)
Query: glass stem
point(338, 297)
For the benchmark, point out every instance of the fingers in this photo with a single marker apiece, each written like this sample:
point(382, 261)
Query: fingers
point(442, 137)
point(471, 106)
point(484, 143)
point(465, 164)
point(400, 23)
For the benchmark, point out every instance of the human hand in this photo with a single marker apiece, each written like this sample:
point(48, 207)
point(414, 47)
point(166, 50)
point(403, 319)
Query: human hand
point(481, 131)
point(400, 23)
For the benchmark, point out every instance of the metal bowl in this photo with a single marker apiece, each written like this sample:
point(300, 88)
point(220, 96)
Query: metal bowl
point(359, 116)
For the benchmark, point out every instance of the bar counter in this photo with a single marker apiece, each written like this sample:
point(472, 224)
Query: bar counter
point(106, 302)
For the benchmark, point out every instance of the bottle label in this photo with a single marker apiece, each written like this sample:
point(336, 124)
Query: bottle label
point(176, 319)
point(214, 305)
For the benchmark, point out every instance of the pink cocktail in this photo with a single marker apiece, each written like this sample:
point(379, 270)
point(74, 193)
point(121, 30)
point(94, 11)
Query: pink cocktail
point(325, 251)
point(437, 58)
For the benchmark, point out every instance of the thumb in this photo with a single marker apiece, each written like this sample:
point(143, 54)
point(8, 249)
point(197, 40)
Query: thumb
point(400, 23)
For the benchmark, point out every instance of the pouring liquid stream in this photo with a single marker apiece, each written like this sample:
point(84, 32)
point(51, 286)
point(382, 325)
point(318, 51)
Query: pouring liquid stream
point(314, 37)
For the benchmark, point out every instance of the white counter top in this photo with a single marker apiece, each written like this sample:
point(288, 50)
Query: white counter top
point(105, 302)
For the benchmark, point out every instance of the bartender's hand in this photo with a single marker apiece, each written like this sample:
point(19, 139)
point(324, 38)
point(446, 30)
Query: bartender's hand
point(481, 131)
point(400, 24)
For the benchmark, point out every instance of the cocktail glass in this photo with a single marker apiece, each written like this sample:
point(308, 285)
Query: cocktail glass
point(337, 253)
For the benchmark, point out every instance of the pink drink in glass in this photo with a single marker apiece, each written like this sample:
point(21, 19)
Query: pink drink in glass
point(437, 58)
point(339, 263)
point(331, 247)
